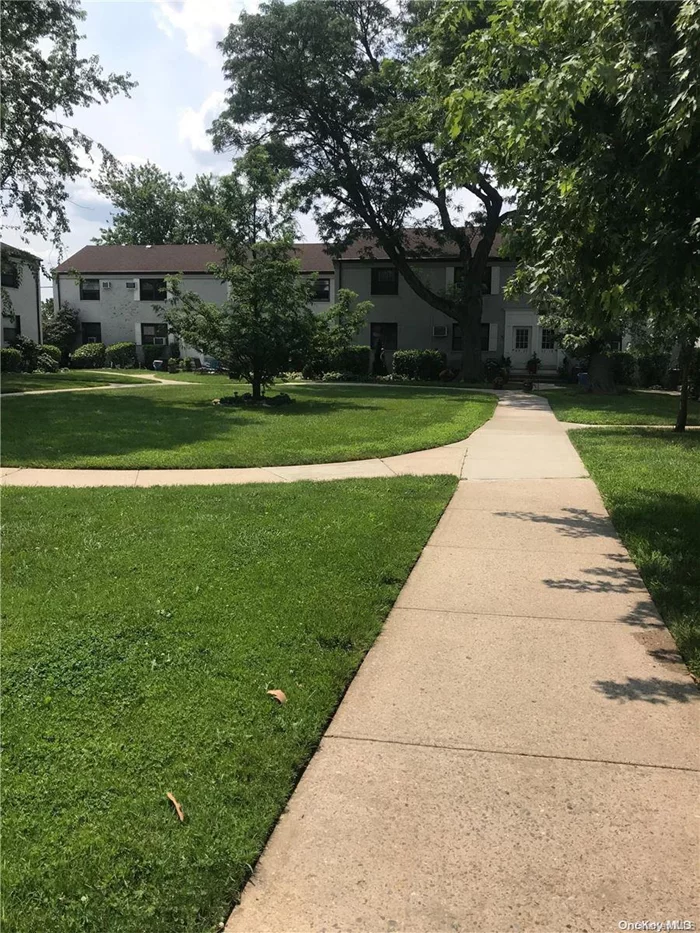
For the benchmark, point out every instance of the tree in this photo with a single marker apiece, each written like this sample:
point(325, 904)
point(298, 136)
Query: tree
point(266, 319)
point(333, 90)
point(154, 207)
point(336, 328)
point(592, 110)
point(60, 327)
point(43, 81)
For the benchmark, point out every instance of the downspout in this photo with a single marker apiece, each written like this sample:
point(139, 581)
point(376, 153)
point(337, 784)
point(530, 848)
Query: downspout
point(38, 304)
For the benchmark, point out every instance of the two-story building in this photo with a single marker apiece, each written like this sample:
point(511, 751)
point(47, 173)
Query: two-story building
point(21, 295)
point(116, 290)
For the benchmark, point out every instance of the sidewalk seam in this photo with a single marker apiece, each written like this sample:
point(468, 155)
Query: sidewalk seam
point(491, 751)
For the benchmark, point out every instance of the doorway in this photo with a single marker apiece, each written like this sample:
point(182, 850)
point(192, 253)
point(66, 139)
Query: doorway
point(388, 334)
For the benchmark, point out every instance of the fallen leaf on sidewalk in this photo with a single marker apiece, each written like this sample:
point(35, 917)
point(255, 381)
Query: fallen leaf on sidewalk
point(278, 695)
point(178, 808)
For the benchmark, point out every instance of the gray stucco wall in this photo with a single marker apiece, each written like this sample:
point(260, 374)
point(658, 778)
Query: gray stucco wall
point(415, 318)
point(119, 310)
point(25, 301)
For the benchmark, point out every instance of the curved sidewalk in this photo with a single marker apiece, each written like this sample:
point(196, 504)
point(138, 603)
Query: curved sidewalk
point(494, 444)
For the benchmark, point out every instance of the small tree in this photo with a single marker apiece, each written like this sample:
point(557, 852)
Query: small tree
point(335, 329)
point(60, 327)
point(266, 319)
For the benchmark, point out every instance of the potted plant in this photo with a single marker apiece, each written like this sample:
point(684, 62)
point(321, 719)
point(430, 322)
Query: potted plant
point(532, 364)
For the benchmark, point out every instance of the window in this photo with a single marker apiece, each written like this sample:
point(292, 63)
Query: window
point(10, 275)
point(152, 290)
point(322, 290)
point(485, 282)
point(154, 334)
point(457, 336)
point(522, 338)
point(385, 281)
point(9, 333)
point(90, 290)
point(547, 338)
point(92, 333)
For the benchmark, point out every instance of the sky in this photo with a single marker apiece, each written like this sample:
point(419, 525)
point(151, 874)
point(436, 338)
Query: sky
point(169, 47)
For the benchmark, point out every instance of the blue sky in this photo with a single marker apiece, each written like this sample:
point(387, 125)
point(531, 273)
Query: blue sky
point(169, 46)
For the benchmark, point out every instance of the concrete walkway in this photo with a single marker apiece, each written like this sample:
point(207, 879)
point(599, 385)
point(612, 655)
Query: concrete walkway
point(518, 751)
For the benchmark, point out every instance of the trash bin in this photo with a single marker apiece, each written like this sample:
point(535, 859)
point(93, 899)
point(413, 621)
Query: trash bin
point(158, 364)
point(583, 381)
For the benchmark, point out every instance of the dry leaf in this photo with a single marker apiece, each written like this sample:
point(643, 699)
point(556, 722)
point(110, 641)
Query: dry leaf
point(178, 808)
point(278, 695)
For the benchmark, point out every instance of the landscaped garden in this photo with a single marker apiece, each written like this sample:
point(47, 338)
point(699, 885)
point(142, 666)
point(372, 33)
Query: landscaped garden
point(579, 407)
point(143, 630)
point(179, 426)
point(650, 481)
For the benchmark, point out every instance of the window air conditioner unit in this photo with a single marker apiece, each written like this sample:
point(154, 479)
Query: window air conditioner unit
point(106, 285)
point(131, 284)
point(440, 330)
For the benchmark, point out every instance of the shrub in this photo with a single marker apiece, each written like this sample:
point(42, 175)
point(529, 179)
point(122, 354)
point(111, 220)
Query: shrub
point(54, 352)
point(353, 359)
point(419, 364)
point(173, 365)
point(10, 360)
point(121, 354)
point(89, 356)
point(46, 362)
point(338, 377)
point(62, 329)
point(652, 369)
point(624, 369)
point(29, 351)
point(151, 353)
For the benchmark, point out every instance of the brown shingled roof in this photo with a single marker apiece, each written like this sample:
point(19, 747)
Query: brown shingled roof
point(195, 257)
point(188, 257)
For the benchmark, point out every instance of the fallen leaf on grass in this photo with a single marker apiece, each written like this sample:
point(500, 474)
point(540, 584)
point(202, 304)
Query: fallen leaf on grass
point(178, 808)
point(278, 695)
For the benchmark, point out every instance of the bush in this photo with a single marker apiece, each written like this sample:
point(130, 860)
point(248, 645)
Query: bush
point(121, 354)
point(353, 359)
point(89, 356)
point(52, 351)
point(151, 353)
point(623, 366)
point(652, 369)
point(338, 377)
point(10, 360)
point(62, 329)
point(46, 362)
point(29, 351)
point(419, 364)
point(173, 365)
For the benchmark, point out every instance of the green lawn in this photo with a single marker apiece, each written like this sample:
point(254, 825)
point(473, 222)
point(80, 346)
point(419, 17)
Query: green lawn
point(178, 426)
point(650, 481)
point(142, 629)
point(627, 408)
point(73, 379)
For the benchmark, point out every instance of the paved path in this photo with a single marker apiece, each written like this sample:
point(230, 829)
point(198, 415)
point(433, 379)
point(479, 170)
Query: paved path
point(519, 749)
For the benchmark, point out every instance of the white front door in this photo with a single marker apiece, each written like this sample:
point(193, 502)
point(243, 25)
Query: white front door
point(547, 350)
point(521, 345)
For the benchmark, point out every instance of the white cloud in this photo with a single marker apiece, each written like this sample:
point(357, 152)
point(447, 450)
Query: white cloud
point(193, 124)
point(203, 23)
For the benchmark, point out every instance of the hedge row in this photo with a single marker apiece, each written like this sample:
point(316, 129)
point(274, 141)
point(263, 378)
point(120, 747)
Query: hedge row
point(419, 364)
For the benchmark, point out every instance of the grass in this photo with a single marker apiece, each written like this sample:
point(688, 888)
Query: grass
point(627, 408)
point(73, 379)
point(142, 630)
point(650, 481)
point(177, 426)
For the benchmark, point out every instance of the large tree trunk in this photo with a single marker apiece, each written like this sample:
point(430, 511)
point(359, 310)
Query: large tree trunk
point(685, 358)
point(600, 373)
point(472, 367)
point(256, 384)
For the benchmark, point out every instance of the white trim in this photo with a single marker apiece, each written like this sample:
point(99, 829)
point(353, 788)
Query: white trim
point(493, 337)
